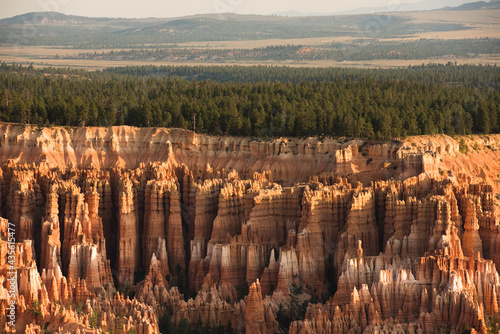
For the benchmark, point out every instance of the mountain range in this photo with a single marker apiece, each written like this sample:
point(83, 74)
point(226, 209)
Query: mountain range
point(53, 28)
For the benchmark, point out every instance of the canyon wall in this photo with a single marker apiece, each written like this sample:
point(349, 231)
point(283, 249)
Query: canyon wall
point(121, 228)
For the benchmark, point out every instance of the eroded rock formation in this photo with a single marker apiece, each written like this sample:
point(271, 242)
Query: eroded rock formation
point(290, 235)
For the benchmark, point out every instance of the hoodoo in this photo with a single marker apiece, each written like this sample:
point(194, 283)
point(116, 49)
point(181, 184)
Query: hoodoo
point(123, 228)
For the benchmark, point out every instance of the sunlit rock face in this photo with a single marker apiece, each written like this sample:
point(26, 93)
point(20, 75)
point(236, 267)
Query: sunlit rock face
point(121, 228)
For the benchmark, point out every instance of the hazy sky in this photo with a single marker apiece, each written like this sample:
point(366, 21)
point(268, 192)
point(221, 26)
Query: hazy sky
point(172, 8)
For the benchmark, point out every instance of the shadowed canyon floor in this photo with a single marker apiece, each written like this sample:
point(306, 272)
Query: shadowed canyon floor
point(118, 228)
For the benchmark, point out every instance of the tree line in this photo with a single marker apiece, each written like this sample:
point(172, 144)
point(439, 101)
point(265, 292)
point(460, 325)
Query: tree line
point(360, 105)
point(446, 74)
point(352, 51)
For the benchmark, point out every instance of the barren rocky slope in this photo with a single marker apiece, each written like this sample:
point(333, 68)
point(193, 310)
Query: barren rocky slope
point(294, 235)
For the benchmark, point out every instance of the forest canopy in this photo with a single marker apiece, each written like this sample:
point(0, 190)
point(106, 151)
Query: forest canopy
point(260, 101)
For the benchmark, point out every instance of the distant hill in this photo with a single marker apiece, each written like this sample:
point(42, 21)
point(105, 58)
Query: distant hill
point(52, 28)
point(406, 7)
point(479, 5)
point(50, 18)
